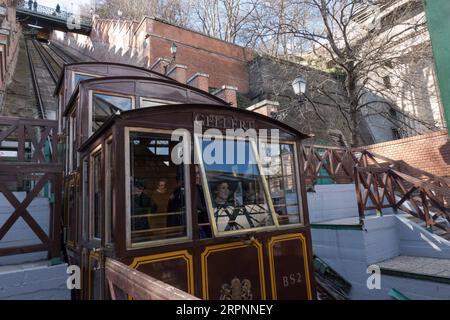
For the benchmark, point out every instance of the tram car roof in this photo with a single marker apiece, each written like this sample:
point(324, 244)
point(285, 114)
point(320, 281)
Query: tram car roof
point(152, 88)
point(183, 116)
point(107, 69)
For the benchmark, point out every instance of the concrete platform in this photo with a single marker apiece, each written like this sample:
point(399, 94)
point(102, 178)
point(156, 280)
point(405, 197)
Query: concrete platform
point(34, 281)
point(420, 266)
point(23, 266)
point(342, 221)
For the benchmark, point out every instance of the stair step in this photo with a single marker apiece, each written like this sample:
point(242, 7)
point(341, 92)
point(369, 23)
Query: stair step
point(424, 268)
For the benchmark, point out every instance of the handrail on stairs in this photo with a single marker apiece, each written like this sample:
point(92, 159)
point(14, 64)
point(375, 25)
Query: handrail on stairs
point(124, 282)
point(385, 182)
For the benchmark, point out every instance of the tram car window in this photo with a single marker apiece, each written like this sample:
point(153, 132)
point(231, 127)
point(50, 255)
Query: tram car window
point(281, 173)
point(157, 193)
point(237, 192)
point(148, 184)
point(104, 105)
point(73, 73)
point(146, 103)
point(78, 76)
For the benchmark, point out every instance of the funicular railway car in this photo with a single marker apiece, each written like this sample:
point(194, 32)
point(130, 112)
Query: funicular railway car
point(42, 36)
point(152, 180)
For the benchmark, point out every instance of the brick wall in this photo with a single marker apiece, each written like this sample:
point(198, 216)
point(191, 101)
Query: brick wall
point(429, 152)
point(10, 32)
point(224, 62)
point(143, 43)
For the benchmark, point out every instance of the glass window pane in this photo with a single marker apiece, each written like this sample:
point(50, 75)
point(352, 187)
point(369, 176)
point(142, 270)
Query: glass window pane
point(147, 103)
point(104, 106)
point(85, 204)
point(72, 196)
point(74, 147)
point(158, 208)
point(96, 195)
point(202, 211)
point(279, 167)
point(80, 77)
point(109, 187)
point(235, 185)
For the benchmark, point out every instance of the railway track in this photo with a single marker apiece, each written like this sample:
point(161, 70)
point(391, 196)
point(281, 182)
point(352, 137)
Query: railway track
point(46, 63)
point(64, 56)
point(36, 70)
point(53, 67)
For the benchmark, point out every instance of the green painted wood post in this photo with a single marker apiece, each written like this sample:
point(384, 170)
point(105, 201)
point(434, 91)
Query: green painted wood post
point(438, 13)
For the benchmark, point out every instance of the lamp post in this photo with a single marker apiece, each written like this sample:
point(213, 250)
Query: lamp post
point(299, 86)
point(173, 52)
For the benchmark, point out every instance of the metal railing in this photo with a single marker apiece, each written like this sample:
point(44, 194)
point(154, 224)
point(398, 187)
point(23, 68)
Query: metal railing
point(62, 15)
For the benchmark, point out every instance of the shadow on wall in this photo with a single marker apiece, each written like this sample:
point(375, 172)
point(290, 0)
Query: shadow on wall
point(414, 240)
point(101, 50)
point(445, 153)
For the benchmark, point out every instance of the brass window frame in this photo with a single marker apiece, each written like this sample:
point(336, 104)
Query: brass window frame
point(187, 180)
point(199, 161)
point(74, 73)
point(109, 190)
point(297, 184)
point(113, 94)
point(94, 153)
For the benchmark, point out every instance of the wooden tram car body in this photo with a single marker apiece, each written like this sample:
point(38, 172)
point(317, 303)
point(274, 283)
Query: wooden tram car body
point(42, 36)
point(118, 121)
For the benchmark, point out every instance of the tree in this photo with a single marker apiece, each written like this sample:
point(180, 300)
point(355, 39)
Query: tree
point(224, 19)
point(172, 11)
point(361, 51)
point(266, 28)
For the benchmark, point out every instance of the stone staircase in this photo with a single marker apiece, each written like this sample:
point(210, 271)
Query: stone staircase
point(388, 241)
point(437, 231)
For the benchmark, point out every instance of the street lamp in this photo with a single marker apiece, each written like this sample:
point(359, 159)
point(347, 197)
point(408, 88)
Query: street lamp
point(173, 52)
point(299, 86)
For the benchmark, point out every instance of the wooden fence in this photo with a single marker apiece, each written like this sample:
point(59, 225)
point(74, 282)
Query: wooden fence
point(381, 182)
point(124, 282)
point(29, 163)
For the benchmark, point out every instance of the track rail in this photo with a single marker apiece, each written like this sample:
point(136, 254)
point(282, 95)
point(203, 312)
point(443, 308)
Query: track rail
point(52, 70)
point(66, 57)
point(37, 93)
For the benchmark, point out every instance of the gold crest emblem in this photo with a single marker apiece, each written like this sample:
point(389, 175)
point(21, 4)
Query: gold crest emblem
point(237, 290)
